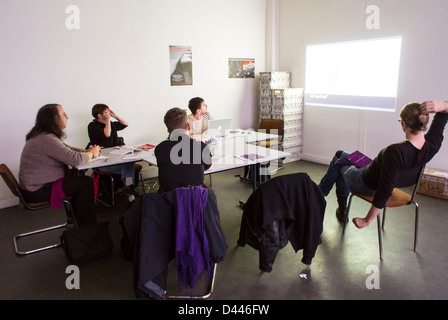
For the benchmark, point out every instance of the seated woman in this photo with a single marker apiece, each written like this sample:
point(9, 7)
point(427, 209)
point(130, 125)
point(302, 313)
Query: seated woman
point(44, 160)
point(378, 178)
point(199, 116)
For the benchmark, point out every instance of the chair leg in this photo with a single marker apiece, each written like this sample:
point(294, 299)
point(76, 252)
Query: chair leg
point(348, 211)
point(416, 226)
point(142, 181)
point(205, 296)
point(112, 195)
point(71, 219)
point(384, 218)
point(380, 240)
point(17, 237)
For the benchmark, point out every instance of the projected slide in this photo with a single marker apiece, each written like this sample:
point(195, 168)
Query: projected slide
point(356, 75)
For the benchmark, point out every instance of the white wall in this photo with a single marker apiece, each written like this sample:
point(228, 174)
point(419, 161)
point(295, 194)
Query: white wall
point(423, 74)
point(120, 57)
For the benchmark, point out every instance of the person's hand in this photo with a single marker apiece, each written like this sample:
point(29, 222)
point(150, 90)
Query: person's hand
point(106, 117)
point(112, 114)
point(432, 106)
point(95, 150)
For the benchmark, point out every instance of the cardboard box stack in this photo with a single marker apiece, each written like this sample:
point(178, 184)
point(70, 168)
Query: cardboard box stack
point(434, 183)
point(279, 101)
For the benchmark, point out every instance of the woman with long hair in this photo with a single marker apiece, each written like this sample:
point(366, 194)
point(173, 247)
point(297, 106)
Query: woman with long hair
point(43, 174)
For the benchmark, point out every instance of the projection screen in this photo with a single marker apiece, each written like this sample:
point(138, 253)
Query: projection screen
point(359, 74)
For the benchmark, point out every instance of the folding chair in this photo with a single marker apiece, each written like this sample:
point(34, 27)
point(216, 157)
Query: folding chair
point(399, 198)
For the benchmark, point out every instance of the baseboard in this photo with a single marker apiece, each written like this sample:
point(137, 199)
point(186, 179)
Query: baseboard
point(10, 202)
point(315, 158)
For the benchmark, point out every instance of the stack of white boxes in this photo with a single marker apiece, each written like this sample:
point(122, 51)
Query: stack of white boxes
point(279, 101)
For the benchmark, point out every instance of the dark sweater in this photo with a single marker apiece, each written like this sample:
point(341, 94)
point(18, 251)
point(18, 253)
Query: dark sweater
point(381, 173)
point(96, 134)
point(194, 157)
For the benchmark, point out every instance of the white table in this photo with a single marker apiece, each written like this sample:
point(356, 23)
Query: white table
point(251, 136)
point(113, 159)
point(226, 154)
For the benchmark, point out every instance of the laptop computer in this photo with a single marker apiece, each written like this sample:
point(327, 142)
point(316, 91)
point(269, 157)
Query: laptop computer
point(218, 128)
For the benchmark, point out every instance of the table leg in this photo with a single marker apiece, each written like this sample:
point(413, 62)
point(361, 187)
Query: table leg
point(254, 176)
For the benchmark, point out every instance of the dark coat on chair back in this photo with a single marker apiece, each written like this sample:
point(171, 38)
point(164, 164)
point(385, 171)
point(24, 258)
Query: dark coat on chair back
point(286, 208)
point(150, 227)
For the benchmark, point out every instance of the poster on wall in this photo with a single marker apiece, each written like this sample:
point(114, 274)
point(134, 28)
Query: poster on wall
point(241, 68)
point(181, 66)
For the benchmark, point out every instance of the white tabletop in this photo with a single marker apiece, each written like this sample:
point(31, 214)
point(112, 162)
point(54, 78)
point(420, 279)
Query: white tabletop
point(108, 159)
point(251, 136)
point(227, 153)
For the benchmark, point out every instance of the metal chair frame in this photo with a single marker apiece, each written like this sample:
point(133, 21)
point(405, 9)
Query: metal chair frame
point(112, 176)
point(13, 185)
point(109, 175)
point(197, 297)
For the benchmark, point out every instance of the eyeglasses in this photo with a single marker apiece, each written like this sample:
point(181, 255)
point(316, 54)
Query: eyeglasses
point(65, 115)
point(400, 120)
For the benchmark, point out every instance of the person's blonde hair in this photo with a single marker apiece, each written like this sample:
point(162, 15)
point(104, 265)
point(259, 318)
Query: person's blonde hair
point(176, 118)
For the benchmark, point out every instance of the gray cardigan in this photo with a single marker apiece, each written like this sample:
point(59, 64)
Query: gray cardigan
point(43, 159)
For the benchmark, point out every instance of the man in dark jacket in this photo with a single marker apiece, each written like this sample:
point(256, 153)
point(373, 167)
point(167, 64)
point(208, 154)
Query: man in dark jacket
point(180, 159)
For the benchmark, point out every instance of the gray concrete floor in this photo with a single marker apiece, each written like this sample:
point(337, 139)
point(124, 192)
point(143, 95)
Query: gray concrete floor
point(340, 270)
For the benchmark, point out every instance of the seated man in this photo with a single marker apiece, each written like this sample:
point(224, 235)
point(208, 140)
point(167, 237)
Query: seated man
point(378, 178)
point(103, 132)
point(180, 159)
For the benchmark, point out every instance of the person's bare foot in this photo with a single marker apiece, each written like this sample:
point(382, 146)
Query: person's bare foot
point(360, 222)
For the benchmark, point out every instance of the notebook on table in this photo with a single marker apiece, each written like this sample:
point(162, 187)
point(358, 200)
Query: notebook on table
point(218, 128)
point(359, 159)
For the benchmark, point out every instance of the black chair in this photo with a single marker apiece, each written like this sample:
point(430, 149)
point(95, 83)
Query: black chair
point(111, 181)
point(262, 174)
point(399, 198)
point(11, 182)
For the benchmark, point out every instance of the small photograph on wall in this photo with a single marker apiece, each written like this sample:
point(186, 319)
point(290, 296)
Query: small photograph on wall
point(181, 66)
point(241, 68)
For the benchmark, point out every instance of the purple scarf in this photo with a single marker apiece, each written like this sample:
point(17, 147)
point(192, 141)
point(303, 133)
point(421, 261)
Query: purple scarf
point(192, 251)
point(57, 193)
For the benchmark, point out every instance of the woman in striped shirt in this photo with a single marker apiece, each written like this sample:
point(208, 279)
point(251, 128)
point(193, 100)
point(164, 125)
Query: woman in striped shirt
point(199, 116)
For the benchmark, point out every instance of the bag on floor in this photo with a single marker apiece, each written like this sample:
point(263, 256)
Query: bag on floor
point(87, 243)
